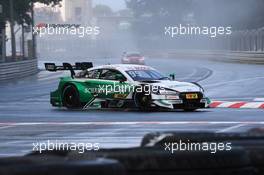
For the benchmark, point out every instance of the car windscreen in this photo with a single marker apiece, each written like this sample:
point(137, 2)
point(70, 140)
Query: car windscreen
point(145, 75)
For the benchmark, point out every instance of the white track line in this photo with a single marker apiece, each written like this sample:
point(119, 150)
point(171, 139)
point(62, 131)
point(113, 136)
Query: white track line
point(131, 123)
point(259, 99)
point(4, 127)
point(231, 128)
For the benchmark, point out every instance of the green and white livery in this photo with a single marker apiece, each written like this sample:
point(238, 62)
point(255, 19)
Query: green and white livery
point(124, 86)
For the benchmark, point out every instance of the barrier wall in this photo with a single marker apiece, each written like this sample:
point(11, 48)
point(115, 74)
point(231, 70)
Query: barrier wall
point(18, 69)
point(25, 68)
point(226, 56)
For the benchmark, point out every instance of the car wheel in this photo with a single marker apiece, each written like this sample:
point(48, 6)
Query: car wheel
point(190, 110)
point(142, 100)
point(71, 98)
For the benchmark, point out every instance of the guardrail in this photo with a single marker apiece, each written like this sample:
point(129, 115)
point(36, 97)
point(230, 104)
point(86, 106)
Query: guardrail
point(18, 69)
point(226, 56)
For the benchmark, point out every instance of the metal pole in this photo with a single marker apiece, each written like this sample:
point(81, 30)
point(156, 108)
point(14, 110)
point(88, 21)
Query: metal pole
point(13, 37)
point(23, 40)
point(2, 35)
point(34, 46)
point(262, 42)
point(3, 44)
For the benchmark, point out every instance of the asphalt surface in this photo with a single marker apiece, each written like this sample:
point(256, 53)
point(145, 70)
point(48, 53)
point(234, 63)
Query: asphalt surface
point(27, 118)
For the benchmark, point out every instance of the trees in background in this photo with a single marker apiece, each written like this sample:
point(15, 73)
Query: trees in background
point(152, 15)
point(241, 14)
point(20, 12)
point(102, 10)
point(22, 9)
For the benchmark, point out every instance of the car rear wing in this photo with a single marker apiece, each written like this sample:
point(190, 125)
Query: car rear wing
point(67, 66)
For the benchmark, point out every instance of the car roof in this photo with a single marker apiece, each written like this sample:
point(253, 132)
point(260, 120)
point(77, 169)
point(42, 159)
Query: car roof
point(124, 67)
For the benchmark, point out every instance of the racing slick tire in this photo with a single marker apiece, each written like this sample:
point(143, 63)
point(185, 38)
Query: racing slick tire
point(70, 97)
point(190, 109)
point(142, 99)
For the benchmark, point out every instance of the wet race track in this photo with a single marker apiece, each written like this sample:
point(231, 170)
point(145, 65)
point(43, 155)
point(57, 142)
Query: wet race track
point(26, 117)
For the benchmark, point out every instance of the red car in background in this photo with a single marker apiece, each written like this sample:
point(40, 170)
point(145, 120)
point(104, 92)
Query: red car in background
point(133, 58)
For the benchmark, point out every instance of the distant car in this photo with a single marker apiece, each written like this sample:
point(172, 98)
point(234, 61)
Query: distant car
point(133, 58)
point(123, 86)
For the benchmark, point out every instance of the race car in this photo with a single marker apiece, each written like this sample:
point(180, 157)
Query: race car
point(133, 58)
point(123, 86)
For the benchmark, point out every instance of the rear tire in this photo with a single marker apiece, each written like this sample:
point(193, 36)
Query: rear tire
point(70, 97)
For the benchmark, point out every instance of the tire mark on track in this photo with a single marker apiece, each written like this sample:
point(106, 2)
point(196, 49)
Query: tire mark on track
point(198, 75)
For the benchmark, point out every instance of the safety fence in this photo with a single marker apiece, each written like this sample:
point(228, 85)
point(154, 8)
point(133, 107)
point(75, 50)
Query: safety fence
point(249, 40)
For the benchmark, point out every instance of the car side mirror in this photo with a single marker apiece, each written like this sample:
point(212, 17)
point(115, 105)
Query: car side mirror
point(172, 76)
point(120, 78)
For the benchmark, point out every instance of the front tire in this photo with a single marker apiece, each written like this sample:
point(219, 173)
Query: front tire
point(70, 97)
point(142, 100)
point(190, 110)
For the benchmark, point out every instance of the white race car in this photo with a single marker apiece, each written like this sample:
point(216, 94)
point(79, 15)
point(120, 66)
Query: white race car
point(124, 86)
